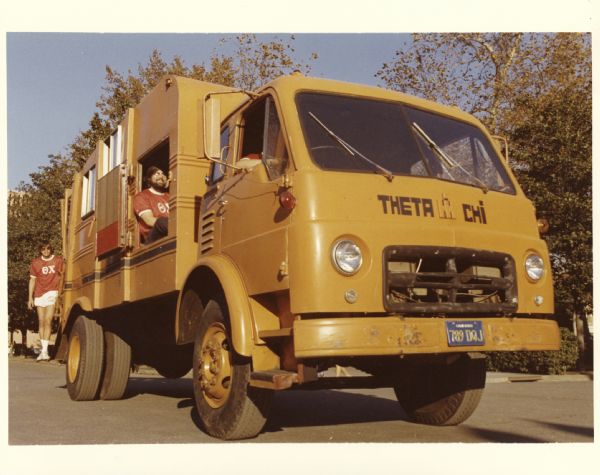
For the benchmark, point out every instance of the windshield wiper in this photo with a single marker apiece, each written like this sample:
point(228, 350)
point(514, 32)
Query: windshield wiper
point(351, 150)
point(447, 162)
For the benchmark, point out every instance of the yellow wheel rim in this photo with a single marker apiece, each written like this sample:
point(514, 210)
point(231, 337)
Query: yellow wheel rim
point(214, 366)
point(74, 356)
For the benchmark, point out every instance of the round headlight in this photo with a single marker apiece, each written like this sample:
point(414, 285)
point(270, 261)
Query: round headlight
point(347, 257)
point(534, 265)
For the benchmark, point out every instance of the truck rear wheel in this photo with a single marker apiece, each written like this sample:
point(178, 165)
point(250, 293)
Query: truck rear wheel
point(443, 395)
point(228, 407)
point(84, 359)
point(117, 364)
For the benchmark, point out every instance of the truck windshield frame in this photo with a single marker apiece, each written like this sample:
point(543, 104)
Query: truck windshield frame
point(384, 131)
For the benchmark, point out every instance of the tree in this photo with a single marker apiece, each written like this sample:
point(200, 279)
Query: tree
point(534, 89)
point(551, 138)
point(484, 73)
point(256, 63)
point(20, 251)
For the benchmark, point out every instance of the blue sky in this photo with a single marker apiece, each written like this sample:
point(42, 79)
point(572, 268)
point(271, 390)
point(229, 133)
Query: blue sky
point(55, 79)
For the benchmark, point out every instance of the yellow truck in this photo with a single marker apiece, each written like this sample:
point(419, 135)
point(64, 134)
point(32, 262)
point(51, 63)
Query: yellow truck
point(312, 224)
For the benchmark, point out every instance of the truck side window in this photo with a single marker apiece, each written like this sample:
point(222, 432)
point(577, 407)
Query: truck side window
point(113, 154)
point(275, 153)
point(217, 170)
point(88, 192)
point(263, 138)
point(158, 157)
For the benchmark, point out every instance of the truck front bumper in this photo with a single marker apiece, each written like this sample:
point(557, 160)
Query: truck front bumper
point(365, 336)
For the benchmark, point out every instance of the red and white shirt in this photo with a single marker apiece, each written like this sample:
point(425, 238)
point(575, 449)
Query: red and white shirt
point(47, 274)
point(150, 201)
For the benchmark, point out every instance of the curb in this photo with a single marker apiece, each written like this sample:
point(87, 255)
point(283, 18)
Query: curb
point(532, 378)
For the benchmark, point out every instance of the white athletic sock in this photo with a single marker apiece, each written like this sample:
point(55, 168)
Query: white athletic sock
point(45, 346)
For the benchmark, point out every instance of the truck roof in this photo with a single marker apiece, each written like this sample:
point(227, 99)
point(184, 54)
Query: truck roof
point(296, 82)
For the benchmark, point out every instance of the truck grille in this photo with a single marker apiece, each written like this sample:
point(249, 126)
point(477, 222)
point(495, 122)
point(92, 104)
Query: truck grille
point(428, 279)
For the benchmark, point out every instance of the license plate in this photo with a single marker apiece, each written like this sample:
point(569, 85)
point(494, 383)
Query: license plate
point(465, 333)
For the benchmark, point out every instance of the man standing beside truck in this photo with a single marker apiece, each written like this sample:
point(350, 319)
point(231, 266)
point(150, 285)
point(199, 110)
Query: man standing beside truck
point(151, 206)
point(44, 281)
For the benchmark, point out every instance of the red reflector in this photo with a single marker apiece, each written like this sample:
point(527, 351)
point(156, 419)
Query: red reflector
point(543, 225)
point(287, 200)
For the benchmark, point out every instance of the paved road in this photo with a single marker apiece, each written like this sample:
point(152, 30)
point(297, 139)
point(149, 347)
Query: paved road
point(157, 410)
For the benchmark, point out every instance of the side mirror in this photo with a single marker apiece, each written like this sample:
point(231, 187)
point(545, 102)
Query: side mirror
point(212, 127)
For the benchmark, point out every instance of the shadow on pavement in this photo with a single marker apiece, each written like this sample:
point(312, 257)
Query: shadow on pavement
point(579, 430)
point(487, 435)
point(301, 408)
point(501, 436)
point(296, 408)
point(318, 408)
point(329, 407)
point(175, 388)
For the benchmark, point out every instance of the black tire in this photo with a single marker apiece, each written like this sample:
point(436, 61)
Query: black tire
point(117, 364)
point(443, 395)
point(84, 359)
point(228, 407)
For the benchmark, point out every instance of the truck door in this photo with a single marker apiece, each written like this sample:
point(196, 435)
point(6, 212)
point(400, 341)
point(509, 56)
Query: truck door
point(111, 211)
point(253, 225)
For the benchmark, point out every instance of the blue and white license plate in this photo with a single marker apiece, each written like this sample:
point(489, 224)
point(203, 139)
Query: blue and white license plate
point(465, 333)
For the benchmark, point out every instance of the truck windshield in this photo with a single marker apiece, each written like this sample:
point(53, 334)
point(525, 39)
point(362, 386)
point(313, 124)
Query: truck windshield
point(398, 138)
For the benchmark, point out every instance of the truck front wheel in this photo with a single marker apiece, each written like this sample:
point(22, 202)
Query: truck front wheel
point(442, 395)
point(84, 359)
point(227, 406)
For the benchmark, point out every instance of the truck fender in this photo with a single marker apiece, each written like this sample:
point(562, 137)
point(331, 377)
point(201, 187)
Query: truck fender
point(227, 276)
point(85, 305)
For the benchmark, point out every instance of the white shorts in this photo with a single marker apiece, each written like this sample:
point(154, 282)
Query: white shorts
point(49, 298)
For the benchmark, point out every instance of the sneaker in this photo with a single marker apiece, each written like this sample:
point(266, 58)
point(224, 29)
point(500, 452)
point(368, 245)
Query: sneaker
point(43, 356)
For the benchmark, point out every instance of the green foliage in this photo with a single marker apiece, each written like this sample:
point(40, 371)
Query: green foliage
point(538, 362)
point(552, 149)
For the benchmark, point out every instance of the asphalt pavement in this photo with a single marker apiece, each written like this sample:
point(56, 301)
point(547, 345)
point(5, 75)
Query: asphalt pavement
point(491, 376)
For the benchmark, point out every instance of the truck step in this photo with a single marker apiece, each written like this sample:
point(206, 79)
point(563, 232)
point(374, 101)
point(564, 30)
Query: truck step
point(273, 379)
point(282, 332)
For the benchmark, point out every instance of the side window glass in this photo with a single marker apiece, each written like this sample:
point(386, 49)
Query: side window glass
point(275, 155)
point(263, 138)
point(88, 192)
point(112, 151)
point(217, 170)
